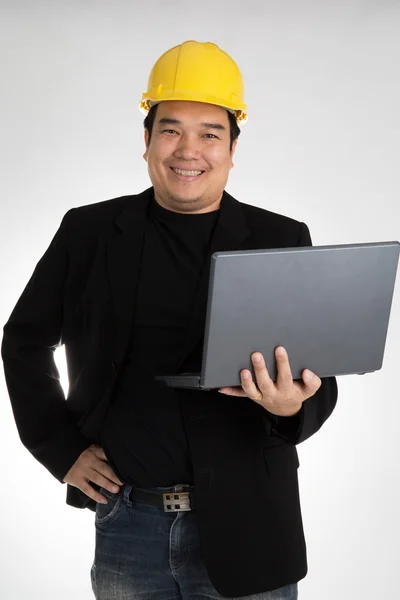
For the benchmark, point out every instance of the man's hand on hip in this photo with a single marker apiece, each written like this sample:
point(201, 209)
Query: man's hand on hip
point(283, 398)
point(92, 466)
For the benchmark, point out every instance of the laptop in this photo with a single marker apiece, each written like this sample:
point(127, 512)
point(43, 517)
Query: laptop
point(329, 306)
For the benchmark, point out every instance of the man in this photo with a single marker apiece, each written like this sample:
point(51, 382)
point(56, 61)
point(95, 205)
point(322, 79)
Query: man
point(124, 285)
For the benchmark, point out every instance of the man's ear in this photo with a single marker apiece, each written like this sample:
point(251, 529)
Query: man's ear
point(146, 141)
point(233, 152)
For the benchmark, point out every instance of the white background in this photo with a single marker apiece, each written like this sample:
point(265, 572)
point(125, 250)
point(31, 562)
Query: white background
point(321, 145)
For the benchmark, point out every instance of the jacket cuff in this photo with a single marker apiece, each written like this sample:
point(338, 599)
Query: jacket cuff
point(61, 451)
point(289, 428)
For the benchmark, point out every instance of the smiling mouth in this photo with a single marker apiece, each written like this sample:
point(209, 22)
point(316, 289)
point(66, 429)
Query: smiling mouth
point(192, 174)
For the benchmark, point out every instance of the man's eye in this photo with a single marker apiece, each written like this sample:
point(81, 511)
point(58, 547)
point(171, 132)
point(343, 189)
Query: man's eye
point(173, 130)
point(211, 134)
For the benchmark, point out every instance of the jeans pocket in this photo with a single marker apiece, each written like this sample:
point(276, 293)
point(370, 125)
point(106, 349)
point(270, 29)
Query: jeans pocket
point(107, 512)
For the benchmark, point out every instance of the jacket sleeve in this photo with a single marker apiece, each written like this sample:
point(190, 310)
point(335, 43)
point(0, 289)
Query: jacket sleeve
point(315, 410)
point(31, 335)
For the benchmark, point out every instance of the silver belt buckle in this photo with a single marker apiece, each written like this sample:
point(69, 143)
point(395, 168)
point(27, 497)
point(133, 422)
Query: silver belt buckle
point(177, 500)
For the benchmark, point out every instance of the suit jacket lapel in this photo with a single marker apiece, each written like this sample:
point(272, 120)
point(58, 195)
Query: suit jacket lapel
point(124, 252)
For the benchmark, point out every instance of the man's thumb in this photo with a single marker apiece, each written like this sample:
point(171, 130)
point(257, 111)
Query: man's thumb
point(98, 451)
point(312, 381)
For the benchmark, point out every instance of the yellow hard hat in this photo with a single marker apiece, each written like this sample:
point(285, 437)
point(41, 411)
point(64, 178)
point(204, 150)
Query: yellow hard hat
point(198, 72)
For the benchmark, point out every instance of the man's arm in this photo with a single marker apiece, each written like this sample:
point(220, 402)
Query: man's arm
point(31, 335)
point(316, 409)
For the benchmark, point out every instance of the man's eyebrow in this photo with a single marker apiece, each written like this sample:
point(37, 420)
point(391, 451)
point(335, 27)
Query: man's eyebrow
point(213, 126)
point(168, 121)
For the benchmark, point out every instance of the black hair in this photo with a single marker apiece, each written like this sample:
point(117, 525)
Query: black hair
point(233, 126)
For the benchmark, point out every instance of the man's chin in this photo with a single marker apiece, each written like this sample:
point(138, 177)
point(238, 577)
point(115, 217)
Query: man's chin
point(182, 200)
point(187, 200)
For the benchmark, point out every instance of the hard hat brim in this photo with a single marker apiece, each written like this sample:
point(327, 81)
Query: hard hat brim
point(146, 103)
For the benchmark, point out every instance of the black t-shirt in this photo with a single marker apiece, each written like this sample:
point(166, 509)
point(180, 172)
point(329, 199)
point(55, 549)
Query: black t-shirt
point(144, 436)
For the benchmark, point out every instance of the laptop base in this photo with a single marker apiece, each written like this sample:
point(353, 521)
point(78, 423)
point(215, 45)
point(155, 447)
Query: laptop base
point(184, 380)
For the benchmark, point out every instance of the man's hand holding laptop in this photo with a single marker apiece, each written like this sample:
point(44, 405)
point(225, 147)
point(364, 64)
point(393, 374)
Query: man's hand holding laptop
point(284, 397)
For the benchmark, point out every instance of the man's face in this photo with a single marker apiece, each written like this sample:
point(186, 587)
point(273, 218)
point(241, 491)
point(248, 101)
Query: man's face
point(189, 136)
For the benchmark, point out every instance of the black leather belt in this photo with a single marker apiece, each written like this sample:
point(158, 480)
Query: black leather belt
point(180, 498)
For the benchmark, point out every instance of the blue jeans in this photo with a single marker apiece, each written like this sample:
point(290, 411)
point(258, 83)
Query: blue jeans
point(143, 552)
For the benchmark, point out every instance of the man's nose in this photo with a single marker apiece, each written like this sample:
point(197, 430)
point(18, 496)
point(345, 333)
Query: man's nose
point(188, 148)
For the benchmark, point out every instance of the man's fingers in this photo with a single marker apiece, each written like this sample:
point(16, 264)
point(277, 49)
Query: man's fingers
point(87, 489)
point(83, 477)
point(92, 467)
point(312, 382)
point(98, 451)
point(102, 480)
point(104, 468)
point(233, 391)
point(101, 472)
point(284, 379)
point(249, 387)
point(263, 380)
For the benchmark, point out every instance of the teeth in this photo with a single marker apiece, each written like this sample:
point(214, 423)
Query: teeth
point(188, 173)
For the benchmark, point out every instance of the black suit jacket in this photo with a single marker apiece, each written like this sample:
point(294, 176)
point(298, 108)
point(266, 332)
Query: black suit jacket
point(245, 462)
